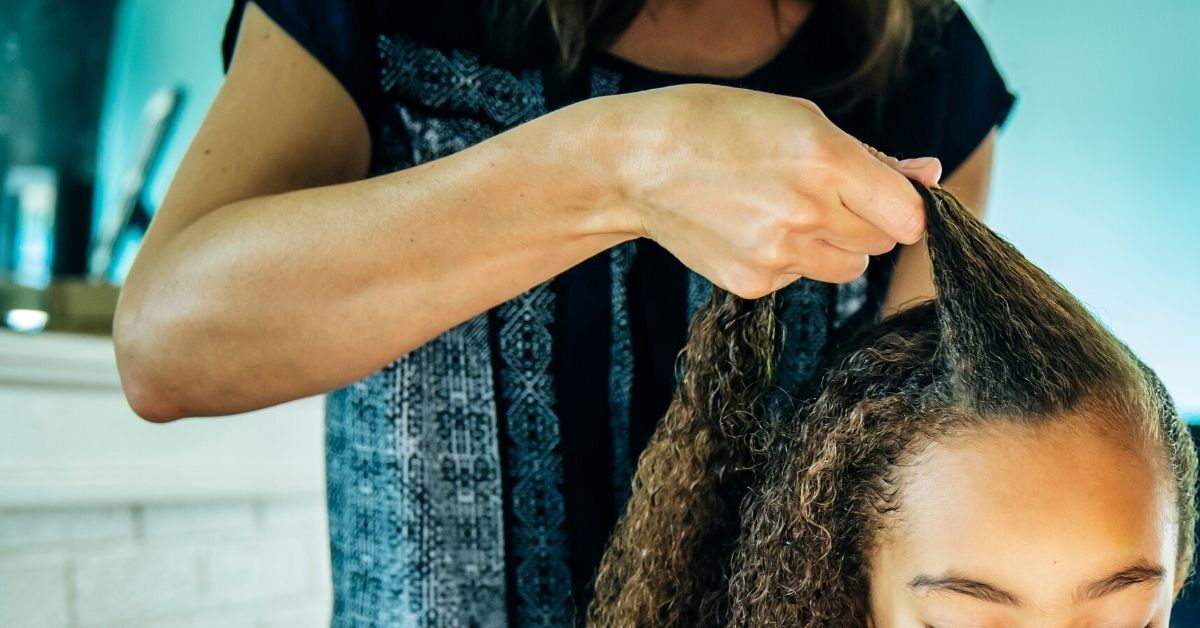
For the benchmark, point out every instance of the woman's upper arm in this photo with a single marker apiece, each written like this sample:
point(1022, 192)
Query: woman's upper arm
point(971, 181)
point(280, 122)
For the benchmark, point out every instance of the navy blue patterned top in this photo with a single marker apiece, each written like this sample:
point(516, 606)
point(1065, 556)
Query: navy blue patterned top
point(475, 481)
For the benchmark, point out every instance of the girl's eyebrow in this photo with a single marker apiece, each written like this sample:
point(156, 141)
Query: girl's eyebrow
point(961, 585)
point(1141, 572)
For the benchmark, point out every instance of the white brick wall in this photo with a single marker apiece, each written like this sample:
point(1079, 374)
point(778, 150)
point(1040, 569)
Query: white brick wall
point(197, 520)
point(56, 527)
point(33, 593)
point(260, 564)
point(107, 521)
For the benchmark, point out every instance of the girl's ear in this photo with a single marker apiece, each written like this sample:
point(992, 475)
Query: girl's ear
point(870, 621)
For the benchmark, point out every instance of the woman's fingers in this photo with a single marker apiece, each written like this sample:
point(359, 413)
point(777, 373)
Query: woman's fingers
point(926, 170)
point(848, 231)
point(822, 261)
point(881, 195)
point(784, 280)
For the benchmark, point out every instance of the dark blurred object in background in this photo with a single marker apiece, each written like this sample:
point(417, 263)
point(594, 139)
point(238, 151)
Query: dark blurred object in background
point(53, 64)
point(1186, 613)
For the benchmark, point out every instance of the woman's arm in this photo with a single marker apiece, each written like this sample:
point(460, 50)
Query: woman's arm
point(271, 273)
point(912, 280)
point(245, 294)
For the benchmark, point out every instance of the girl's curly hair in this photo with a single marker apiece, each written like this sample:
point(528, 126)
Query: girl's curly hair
point(743, 518)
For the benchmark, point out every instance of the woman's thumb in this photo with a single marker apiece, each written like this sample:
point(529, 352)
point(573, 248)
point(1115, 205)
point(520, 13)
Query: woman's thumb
point(925, 170)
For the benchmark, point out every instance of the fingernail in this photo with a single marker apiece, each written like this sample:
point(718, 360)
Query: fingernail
point(918, 162)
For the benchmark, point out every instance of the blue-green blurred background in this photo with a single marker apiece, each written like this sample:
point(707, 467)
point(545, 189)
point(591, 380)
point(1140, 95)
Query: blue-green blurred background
point(1098, 172)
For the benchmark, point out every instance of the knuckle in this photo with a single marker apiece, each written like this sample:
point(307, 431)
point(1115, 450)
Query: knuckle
point(807, 219)
point(767, 245)
point(747, 283)
point(702, 93)
point(840, 267)
point(852, 269)
point(881, 245)
point(811, 106)
point(770, 256)
point(826, 157)
point(913, 224)
point(914, 227)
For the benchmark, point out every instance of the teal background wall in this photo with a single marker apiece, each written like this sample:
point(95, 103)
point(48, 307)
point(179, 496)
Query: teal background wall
point(156, 44)
point(1098, 170)
point(1097, 174)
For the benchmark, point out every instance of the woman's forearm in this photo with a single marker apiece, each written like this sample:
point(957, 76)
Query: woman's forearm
point(279, 297)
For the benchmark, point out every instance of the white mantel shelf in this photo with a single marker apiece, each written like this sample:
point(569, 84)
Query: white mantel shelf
point(67, 436)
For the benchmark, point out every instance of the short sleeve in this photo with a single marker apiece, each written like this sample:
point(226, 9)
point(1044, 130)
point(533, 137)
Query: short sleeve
point(328, 29)
point(954, 94)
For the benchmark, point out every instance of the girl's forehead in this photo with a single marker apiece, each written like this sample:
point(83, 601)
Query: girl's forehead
point(1010, 468)
point(1035, 508)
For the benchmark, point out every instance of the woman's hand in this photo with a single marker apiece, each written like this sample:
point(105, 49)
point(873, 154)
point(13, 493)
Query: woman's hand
point(754, 190)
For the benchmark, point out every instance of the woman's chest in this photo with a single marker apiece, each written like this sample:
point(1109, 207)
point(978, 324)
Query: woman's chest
point(723, 39)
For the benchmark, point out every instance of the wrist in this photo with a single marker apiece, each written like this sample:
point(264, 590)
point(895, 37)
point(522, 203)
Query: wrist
point(593, 141)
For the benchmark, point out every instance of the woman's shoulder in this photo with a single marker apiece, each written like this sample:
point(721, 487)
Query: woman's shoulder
point(349, 25)
point(952, 92)
point(366, 45)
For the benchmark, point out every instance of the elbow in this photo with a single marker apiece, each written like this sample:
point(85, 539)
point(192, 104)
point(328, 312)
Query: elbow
point(149, 395)
point(149, 403)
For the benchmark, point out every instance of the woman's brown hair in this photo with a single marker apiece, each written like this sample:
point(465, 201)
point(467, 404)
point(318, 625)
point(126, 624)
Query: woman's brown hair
point(742, 518)
point(880, 31)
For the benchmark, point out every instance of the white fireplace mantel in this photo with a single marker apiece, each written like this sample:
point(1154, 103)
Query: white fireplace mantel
point(67, 436)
